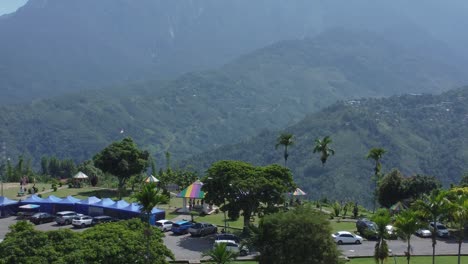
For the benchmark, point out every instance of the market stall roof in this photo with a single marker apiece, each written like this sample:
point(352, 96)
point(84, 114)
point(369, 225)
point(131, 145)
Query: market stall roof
point(106, 202)
point(151, 178)
point(80, 175)
point(51, 199)
point(90, 200)
point(133, 207)
point(193, 191)
point(6, 201)
point(29, 206)
point(69, 200)
point(399, 206)
point(33, 199)
point(299, 192)
point(119, 204)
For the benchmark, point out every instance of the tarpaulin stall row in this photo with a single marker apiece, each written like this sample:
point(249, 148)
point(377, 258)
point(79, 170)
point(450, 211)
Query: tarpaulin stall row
point(92, 206)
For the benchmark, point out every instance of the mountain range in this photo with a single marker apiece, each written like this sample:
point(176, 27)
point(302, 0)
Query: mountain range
point(267, 89)
point(421, 133)
point(54, 47)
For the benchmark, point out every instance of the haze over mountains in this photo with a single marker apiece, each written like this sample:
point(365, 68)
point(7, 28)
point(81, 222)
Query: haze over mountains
point(50, 47)
point(267, 89)
point(191, 76)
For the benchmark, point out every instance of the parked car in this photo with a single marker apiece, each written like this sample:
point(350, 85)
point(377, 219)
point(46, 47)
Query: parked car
point(367, 228)
point(40, 218)
point(231, 245)
point(163, 225)
point(181, 227)
point(440, 229)
point(82, 221)
point(391, 232)
point(423, 232)
point(227, 236)
point(345, 237)
point(65, 217)
point(202, 229)
point(102, 219)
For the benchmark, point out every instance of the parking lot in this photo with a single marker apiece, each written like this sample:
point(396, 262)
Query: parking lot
point(186, 247)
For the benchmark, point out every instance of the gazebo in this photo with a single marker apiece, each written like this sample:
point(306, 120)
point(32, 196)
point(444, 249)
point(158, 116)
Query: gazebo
point(80, 175)
point(299, 192)
point(192, 192)
point(151, 178)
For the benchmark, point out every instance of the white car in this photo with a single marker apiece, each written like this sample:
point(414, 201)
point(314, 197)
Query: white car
point(231, 245)
point(163, 225)
point(82, 221)
point(423, 232)
point(345, 237)
point(441, 230)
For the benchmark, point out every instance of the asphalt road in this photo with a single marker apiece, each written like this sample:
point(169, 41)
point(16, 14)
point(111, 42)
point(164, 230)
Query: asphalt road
point(421, 246)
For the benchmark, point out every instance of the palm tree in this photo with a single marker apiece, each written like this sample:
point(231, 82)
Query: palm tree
point(376, 155)
point(407, 223)
point(148, 198)
point(382, 219)
point(286, 140)
point(220, 254)
point(322, 146)
point(459, 215)
point(432, 207)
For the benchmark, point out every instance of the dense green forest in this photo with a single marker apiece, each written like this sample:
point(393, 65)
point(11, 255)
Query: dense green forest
point(422, 134)
point(267, 89)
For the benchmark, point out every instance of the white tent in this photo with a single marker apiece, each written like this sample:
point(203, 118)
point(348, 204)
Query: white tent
point(80, 175)
point(151, 178)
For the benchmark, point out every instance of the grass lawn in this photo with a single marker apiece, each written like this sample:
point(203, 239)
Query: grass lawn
point(343, 226)
point(10, 190)
point(414, 260)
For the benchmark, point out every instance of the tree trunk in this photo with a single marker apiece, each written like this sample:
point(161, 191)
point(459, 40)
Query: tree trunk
point(408, 256)
point(433, 249)
point(247, 215)
point(459, 249)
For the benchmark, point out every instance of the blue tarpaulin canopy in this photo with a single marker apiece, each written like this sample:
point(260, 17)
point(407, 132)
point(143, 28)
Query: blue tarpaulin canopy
point(51, 199)
point(68, 200)
point(33, 199)
point(133, 207)
point(5, 201)
point(90, 200)
point(106, 202)
point(118, 205)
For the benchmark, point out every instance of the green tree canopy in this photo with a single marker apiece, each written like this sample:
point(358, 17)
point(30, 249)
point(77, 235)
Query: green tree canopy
point(322, 147)
point(286, 140)
point(245, 187)
point(122, 159)
point(391, 189)
point(119, 242)
point(301, 236)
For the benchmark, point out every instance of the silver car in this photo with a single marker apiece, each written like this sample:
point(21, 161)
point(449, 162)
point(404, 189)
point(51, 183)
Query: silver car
point(65, 217)
point(201, 229)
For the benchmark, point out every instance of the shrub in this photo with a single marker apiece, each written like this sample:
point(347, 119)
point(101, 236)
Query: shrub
point(336, 208)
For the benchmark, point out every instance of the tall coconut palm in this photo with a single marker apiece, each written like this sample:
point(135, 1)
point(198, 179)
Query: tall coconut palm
point(376, 155)
point(459, 215)
point(382, 219)
point(286, 140)
point(432, 207)
point(220, 254)
point(322, 146)
point(407, 223)
point(149, 198)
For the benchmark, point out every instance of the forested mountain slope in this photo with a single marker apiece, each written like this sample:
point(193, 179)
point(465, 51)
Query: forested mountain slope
point(267, 89)
point(50, 47)
point(423, 134)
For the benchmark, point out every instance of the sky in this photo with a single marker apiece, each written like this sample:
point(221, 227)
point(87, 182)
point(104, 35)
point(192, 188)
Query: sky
point(10, 6)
